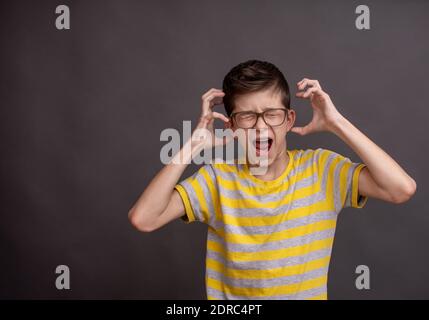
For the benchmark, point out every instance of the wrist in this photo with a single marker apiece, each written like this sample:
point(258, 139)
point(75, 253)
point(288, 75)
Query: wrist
point(338, 125)
point(184, 155)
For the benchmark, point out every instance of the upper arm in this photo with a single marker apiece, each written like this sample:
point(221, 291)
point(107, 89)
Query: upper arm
point(368, 187)
point(174, 210)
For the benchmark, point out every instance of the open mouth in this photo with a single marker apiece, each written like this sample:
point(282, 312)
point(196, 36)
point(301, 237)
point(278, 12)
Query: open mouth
point(263, 145)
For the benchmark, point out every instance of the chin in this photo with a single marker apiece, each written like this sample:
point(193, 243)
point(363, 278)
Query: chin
point(272, 158)
point(274, 154)
point(266, 159)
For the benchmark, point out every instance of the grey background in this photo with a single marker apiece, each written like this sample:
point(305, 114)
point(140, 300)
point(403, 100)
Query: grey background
point(82, 111)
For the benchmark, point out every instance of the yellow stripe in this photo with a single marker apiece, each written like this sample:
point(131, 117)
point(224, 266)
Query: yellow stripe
point(243, 203)
point(276, 236)
point(343, 182)
point(355, 188)
point(270, 254)
point(270, 291)
point(278, 218)
point(258, 274)
point(186, 202)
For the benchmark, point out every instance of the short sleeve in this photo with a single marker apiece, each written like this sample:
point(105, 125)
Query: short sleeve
point(197, 193)
point(340, 179)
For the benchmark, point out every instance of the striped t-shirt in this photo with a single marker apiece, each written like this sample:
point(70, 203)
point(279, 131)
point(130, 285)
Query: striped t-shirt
point(271, 239)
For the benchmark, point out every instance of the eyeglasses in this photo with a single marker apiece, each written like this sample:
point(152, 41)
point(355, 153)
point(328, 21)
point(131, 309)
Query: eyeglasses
point(248, 119)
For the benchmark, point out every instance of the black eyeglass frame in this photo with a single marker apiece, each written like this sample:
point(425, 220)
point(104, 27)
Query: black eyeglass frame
point(259, 114)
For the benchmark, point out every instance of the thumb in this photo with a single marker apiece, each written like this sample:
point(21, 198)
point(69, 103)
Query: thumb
point(299, 130)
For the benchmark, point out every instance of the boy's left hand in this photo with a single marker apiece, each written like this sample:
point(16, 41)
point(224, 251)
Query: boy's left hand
point(325, 115)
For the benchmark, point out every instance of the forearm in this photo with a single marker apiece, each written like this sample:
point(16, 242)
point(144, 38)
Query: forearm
point(384, 170)
point(156, 197)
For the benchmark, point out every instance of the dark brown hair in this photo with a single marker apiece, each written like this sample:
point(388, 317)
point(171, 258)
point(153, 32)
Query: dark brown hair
point(252, 76)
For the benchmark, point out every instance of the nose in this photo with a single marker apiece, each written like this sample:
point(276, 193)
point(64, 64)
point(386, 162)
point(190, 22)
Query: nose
point(260, 123)
point(261, 127)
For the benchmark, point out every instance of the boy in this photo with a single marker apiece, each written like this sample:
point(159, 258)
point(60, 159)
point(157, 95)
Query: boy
point(270, 235)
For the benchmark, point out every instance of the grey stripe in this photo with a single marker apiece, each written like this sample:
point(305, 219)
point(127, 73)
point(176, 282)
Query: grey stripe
point(209, 199)
point(211, 173)
point(337, 186)
point(307, 163)
point(219, 294)
point(233, 177)
point(266, 283)
point(269, 229)
point(269, 264)
point(269, 197)
point(272, 245)
point(296, 296)
point(314, 292)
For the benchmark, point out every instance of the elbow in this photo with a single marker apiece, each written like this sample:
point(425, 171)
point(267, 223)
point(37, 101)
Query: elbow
point(139, 222)
point(408, 191)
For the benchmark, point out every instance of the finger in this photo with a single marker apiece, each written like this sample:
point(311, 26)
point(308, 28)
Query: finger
point(204, 121)
point(308, 82)
point(302, 80)
point(210, 95)
point(213, 95)
point(302, 131)
point(314, 83)
point(210, 92)
point(308, 93)
point(212, 99)
point(220, 116)
point(301, 84)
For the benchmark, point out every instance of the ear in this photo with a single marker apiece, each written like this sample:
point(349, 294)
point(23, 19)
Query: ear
point(291, 117)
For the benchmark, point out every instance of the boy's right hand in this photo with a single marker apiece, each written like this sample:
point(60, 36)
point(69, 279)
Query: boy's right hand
point(203, 136)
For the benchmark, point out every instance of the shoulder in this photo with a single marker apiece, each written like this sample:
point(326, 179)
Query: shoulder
point(226, 167)
point(219, 169)
point(316, 156)
point(307, 155)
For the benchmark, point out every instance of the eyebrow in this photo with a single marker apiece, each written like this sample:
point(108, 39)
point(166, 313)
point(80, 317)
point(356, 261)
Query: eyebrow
point(263, 109)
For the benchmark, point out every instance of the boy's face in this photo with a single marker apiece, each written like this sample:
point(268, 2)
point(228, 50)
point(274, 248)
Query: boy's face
point(276, 129)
